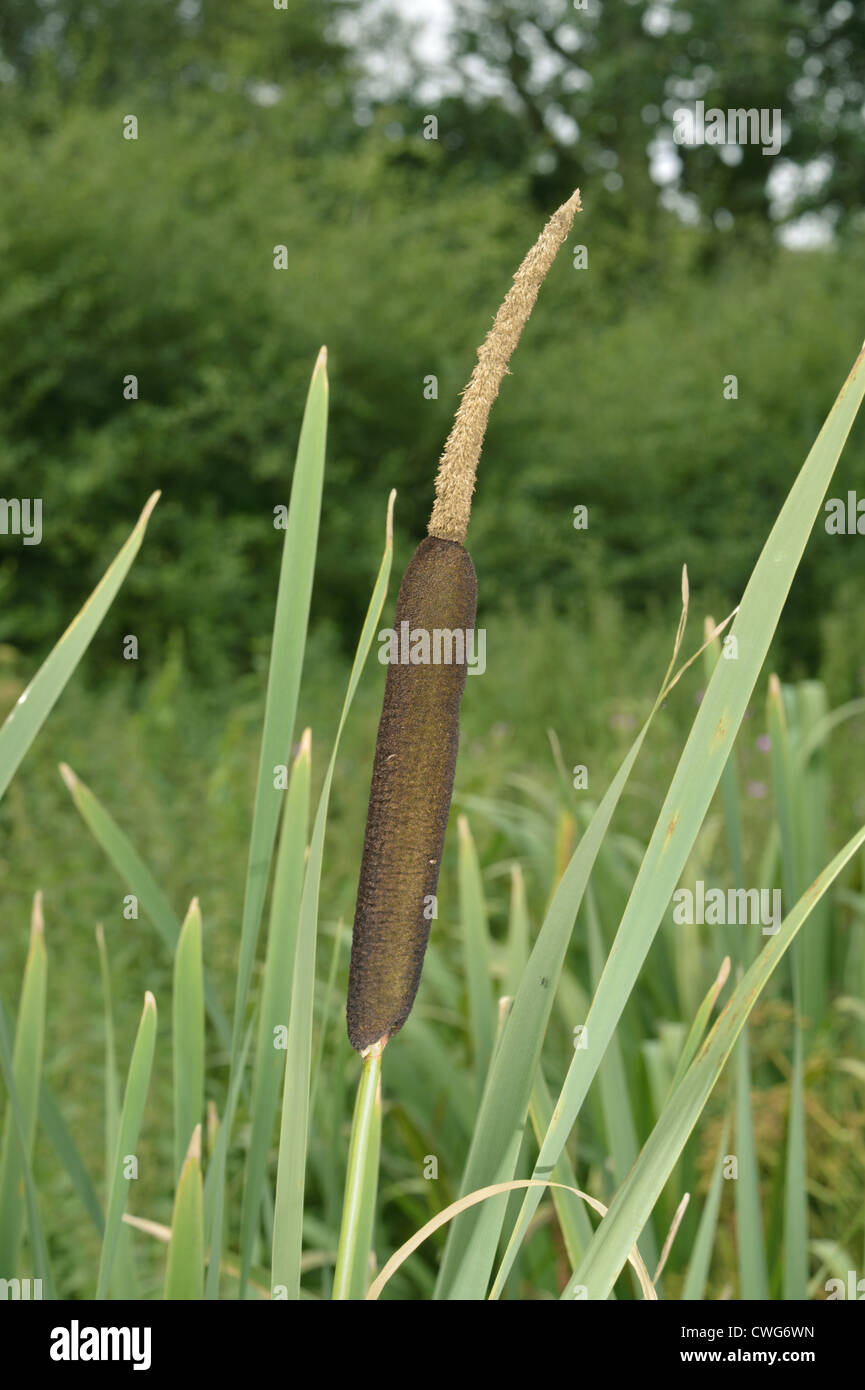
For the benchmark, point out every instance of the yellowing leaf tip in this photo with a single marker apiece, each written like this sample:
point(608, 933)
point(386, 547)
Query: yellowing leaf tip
point(68, 776)
point(37, 921)
point(194, 1150)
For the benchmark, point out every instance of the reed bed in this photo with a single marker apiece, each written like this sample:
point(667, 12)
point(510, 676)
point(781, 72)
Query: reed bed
point(591, 1155)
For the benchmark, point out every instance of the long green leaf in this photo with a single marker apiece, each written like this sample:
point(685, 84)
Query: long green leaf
point(573, 1218)
point(795, 1184)
point(697, 775)
point(187, 1013)
point(15, 1156)
point(283, 684)
point(137, 878)
point(701, 1020)
point(351, 1276)
point(750, 1242)
point(38, 700)
point(730, 798)
point(214, 1183)
point(123, 1281)
point(518, 932)
point(497, 1135)
point(276, 991)
point(291, 1171)
point(694, 1287)
point(134, 1099)
point(476, 948)
point(284, 672)
point(55, 1129)
point(184, 1273)
point(795, 806)
point(38, 1245)
point(620, 1130)
point(498, 1131)
point(635, 1199)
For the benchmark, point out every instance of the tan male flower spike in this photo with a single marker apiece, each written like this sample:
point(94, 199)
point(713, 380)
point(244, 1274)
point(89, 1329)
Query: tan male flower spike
point(416, 748)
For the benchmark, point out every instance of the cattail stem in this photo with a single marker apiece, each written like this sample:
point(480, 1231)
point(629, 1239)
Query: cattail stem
point(352, 1274)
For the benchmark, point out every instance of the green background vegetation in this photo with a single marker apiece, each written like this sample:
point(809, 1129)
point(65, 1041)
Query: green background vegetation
point(155, 258)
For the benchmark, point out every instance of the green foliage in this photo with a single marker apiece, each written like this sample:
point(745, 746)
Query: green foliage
point(157, 262)
point(189, 781)
point(161, 266)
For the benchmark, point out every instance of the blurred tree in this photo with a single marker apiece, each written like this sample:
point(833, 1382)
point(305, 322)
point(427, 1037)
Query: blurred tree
point(100, 49)
point(586, 93)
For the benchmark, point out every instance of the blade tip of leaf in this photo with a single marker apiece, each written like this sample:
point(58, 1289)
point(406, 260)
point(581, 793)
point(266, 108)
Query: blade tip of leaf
point(148, 507)
point(68, 776)
point(194, 1150)
point(37, 920)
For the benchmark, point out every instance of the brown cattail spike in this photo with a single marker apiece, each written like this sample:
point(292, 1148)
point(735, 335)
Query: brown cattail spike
point(455, 481)
point(410, 796)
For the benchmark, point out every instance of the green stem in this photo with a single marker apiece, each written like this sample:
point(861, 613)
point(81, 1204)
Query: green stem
point(351, 1276)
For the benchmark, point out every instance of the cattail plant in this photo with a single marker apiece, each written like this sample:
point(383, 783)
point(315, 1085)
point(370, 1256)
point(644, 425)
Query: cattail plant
point(666, 1076)
point(416, 748)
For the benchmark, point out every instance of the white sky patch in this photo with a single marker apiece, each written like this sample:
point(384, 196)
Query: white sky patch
point(686, 206)
point(658, 19)
point(263, 93)
point(436, 17)
point(577, 80)
point(563, 126)
point(788, 182)
point(665, 164)
point(809, 232)
point(430, 47)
